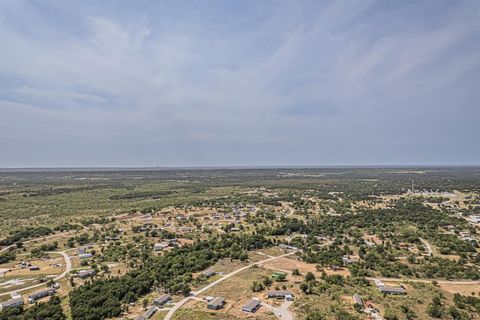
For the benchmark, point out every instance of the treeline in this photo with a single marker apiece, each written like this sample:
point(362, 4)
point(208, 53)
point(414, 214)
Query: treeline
point(63, 190)
point(51, 310)
point(29, 232)
point(8, 256)
point(39, 252)
point(141, 195)
point(106, 298)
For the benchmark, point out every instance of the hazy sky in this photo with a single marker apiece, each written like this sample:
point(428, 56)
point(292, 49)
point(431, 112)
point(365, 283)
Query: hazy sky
point(196, 83)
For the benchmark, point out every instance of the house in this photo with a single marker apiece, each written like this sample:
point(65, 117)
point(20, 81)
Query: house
point(280, 295)
point(216, 303)
point(358, 300)
point(160, 301)
point(41, 294)
point(85, 255)
point(14, 302)
point(392, 290)
point(252, 306)
point(475, 218)
point(34, 268)
point(208, 273)
point(82, 274)
point(286, 246)
point(150, 312)
point(172, 241)
point(160, 246)
point(349, 260)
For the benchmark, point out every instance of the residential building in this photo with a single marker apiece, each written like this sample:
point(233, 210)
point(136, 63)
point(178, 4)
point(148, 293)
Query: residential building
point(150, 312)
point(358, 300)
point(14, 302)
point(41, 294)
point(208, 273)
point(475, 218)
point(349, 260)
point(85, 255)
point(216, 304)
point(160, 246)
point(280, 295)
point(392, 290)
point(252, 306)
point(82, 274)
point(160, 301)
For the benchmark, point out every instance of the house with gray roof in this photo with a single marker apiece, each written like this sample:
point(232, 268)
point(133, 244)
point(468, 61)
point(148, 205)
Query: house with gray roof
point(252, 306)
point(216, 304)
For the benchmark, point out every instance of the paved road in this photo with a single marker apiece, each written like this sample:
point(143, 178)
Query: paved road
point(196, 293)
point(68, 268)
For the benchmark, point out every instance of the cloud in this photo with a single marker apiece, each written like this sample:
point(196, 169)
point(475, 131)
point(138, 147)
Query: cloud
point(355, 82)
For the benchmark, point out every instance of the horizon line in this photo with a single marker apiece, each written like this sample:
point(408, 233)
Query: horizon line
point(231, 167)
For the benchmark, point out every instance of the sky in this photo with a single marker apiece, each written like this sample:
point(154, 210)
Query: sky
point(239, 83)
